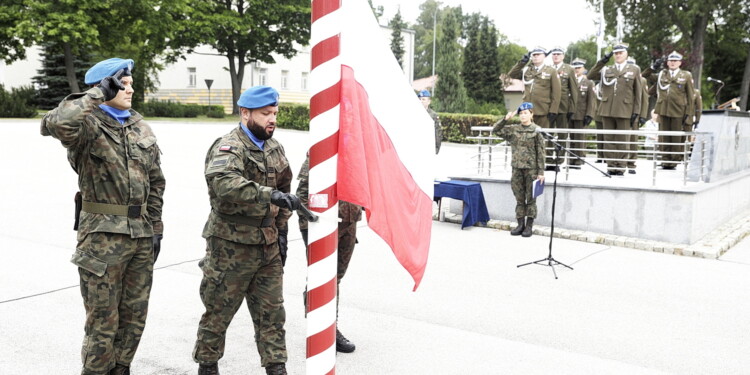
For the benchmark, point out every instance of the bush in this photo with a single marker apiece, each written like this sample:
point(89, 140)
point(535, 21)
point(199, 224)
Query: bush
point(294, 116)
point(457, 126)
point(168, 108)
point(17, 102)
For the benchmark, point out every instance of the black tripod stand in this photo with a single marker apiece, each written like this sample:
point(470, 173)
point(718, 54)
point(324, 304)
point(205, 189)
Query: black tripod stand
point(549, 260)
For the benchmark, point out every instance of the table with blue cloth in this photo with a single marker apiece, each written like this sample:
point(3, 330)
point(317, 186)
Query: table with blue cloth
point(475, 209)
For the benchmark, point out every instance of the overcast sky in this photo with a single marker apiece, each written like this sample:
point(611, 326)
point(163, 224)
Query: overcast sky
point(552, 22)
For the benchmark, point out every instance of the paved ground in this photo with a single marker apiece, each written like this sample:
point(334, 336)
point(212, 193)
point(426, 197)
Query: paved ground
point(620, 311)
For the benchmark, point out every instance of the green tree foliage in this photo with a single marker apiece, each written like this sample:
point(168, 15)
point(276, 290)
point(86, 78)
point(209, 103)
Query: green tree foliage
point(52, 82)
point(428, 21)
point(245, 31)
point(450, 90)
point(508, 54)
point(397, 40)
point(481, 65)
point(472, 57)
point(17, 102)
point(376, 10)
point(12, 44)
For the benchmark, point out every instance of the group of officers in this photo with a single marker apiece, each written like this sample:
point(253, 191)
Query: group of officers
point(119, 222)
point(616, 97)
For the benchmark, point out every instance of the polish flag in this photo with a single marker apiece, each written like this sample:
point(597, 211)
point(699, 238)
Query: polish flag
point(386, 141)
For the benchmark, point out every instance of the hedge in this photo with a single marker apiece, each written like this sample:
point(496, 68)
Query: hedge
point(168, 108)
point(17, 102)
point(456, 126)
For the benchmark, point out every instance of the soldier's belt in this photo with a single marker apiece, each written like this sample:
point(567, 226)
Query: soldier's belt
point(114, 209)
point(252, 221)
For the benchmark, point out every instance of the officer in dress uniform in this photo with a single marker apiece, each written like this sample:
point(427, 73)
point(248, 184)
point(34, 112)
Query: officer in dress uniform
point(620, 104)
point(584, 111)
point(675, 107)
point(542, 88)
point(633, 156)
point(249, 180)
point(568, 90)
point(426, 98)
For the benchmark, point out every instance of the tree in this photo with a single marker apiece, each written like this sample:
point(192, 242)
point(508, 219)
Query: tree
point(481, 65)
point(52, 80)
point(376, 10)
point(397, 40)
point(584, 49)
point(428, 21)
point(472, 58)
point(246, 31)
point(450, 90)
point(508, 55)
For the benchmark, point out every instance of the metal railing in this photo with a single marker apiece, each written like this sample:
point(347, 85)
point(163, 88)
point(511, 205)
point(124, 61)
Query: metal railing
point(490, 147)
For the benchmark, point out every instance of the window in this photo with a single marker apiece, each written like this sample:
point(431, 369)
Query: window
point(284, 79)
point(262, 76)
point(303, 81)
point(191, 77)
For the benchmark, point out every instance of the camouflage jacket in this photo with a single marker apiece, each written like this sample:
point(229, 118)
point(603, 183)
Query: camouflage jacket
point(240, 178)
point(438, 129)
point(116, 164)
point(527, 145)
point(348, 212)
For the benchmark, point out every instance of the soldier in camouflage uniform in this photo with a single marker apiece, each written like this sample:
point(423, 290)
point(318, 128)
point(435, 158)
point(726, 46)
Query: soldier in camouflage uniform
point(249, 180)
point(350, 214)
point(541, 88)
point(121, 184)
point(527, 160)
point(425, 98)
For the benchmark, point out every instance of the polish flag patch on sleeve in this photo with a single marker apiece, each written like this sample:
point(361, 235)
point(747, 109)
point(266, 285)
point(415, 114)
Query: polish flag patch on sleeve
point(225, 148)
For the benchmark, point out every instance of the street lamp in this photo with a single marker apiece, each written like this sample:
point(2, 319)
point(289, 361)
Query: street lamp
point(209, 82)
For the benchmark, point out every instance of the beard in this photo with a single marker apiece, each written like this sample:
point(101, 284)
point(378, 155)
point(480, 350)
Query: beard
point(259, 131)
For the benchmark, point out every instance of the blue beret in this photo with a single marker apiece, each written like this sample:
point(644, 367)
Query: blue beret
point(424, 94)
point(258, 97)
point(524, 106)
point(107, 68)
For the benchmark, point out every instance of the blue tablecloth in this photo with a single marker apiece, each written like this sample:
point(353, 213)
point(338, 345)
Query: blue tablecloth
point(475, 209)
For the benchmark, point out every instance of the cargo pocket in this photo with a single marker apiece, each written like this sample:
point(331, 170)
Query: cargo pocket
point(211, 287)
point(94, 278)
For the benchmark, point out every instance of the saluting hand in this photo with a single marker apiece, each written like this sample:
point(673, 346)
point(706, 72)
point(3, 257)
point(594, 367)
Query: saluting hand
point(111, 85)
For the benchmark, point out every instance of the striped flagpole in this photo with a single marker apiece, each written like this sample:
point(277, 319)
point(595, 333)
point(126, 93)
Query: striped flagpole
point(325, 76)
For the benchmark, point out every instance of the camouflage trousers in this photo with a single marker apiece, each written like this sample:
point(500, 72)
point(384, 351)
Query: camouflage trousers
point(116, 272)
point(233, 272)
point(520, 182)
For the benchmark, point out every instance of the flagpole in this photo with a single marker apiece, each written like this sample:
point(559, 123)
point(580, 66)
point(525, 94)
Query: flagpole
point(325, 77)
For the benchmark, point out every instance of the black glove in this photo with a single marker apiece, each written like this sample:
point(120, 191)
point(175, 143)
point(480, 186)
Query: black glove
point(552, 117)
point(570, 116)
point(111, 85)
point(586, 120)
point(633, 119)
point(695, 125)
point(285, 200)
point(525, 58)
point(283, 244)
point(156, 245)
point(657, 64)
point(684, 119)
point(642, 120)
point(605, 58)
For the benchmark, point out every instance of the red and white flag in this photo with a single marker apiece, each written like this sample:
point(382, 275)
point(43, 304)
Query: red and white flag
point(386, 141)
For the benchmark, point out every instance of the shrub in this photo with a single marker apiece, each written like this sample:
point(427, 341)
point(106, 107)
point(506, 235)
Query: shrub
point(16, 103)
point(457, 126)
point(294, 116)
point(168, 108)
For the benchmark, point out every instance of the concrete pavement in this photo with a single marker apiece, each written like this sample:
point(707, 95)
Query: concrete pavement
point(620, 311)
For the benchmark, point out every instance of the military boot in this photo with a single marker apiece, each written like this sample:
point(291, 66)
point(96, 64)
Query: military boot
point(343, 344)
point(519, 228)
point(276, 369)
point(120, 370)
point(208, 369)
point(529, 227)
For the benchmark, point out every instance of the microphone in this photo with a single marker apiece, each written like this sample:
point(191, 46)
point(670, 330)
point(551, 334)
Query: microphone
point(714, 80)
point(544, 133)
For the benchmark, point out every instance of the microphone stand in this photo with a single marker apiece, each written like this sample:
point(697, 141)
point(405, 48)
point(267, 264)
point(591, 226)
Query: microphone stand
point(550, 261)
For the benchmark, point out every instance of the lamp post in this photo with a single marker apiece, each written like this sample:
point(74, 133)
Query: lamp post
point(209, 82)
